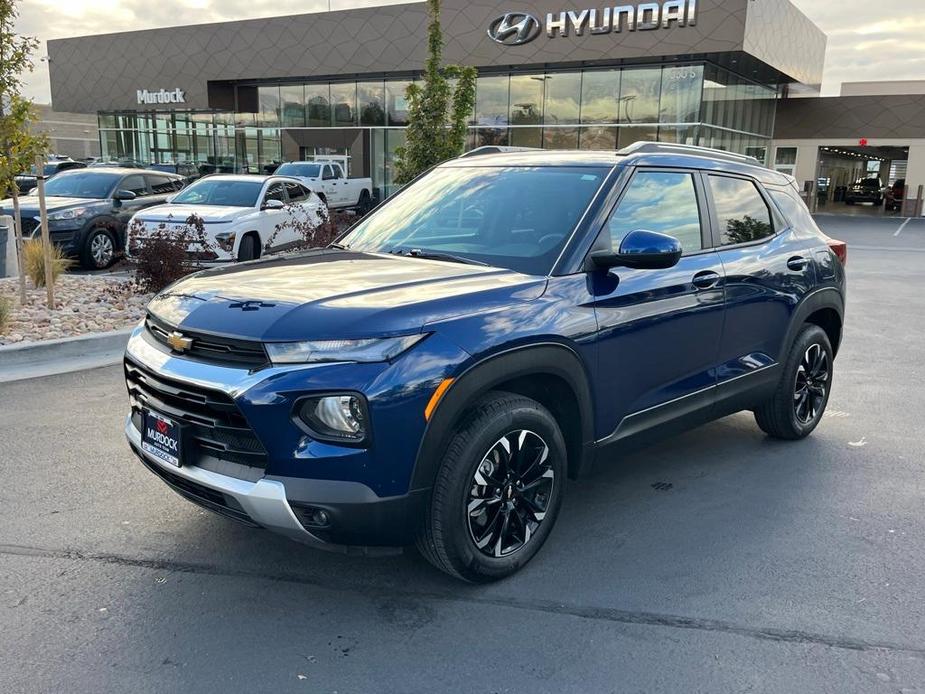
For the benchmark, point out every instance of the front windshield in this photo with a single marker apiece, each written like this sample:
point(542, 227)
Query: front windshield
point(298, 169)
point(84, 184)
point(221, 193)
point(513, 217)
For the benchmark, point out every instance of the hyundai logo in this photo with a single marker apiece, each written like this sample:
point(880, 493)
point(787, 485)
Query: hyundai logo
point(514, 29)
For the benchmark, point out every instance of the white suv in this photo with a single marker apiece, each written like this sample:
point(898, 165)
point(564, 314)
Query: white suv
point(241, 214)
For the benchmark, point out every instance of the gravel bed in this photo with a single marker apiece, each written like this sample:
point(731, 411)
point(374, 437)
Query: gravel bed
point(85, 304)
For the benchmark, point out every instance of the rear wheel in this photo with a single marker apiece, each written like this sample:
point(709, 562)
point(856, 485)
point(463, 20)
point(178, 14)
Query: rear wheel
point(498, 491)
point(248, 249)
point(797, 406)
point(99, 250)
point(366, 202)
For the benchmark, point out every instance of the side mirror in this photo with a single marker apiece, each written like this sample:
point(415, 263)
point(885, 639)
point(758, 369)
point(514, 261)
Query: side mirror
point(272, 205)
point(642, 250)
point(124, 195)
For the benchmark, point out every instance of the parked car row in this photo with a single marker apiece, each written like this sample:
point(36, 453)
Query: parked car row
point(91, 208)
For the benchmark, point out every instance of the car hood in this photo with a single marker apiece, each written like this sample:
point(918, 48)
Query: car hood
point(333, 294)
point(29, 204)
point(208, 213)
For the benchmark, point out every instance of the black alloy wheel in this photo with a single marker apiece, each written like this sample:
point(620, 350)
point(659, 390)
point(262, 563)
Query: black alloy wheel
point(802, 393)
point(811, 386)
point(510, 494)
point(498, 489)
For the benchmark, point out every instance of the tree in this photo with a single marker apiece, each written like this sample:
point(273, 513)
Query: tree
point(438, 111)
point(18, 146)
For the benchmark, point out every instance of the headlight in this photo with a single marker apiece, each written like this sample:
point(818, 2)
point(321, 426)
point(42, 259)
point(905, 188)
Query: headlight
point(369, 350)
point(340, 417)
point(225, 240)
point(72, 213)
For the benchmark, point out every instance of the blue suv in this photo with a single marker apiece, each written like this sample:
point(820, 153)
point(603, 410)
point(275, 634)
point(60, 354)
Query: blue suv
point(497, 326)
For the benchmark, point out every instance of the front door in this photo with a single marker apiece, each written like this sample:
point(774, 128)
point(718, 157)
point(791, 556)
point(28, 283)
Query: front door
point(659, 330)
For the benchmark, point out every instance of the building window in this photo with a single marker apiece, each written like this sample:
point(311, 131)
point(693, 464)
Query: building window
point(397, 102)
point(371, 102)
point(344, 104)
point(491, 100)
point(268, 98)
point(317, 105)
point(292, 98)
point(785, 160)
point(680, 94)
point(562, 99)
point(598, 137)
point(527, 99)
point(639, 95)
point(600, 91)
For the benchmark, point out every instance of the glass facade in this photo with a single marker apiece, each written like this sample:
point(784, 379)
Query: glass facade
point(599, 108)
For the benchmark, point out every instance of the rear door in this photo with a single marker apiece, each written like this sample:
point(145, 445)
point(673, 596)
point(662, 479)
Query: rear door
point(769, 269)
point(659, 330)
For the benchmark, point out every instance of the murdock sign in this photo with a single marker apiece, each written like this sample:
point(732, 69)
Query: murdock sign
point(516, 28)
point(161, 96)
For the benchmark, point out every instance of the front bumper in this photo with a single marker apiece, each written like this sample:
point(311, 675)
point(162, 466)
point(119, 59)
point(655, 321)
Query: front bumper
point(360, 522)
point(283, 496)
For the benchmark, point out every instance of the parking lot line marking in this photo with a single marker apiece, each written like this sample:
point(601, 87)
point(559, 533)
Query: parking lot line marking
point(902, 226)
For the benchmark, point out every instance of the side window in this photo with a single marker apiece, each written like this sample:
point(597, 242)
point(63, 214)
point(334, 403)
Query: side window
point(275, 192)
point(161, 185)
point(795, 211)
point(326, 174)
point(134, 183)
point(659, 201)
point(336, 172)
point(295, 192)
point(742, 213)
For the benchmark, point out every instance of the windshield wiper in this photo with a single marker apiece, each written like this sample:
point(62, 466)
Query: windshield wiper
point(338, 246)
point(435, 255)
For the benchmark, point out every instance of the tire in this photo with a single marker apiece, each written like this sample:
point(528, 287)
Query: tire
point(99, 250)
point(366, 202)
point(513, 514)
point(248, 250)
point(801, 396)
point(849, 201)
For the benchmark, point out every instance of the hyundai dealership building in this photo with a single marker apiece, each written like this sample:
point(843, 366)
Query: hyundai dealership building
point(246, 95)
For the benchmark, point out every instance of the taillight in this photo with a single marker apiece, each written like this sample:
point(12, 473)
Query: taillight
point(840, 249)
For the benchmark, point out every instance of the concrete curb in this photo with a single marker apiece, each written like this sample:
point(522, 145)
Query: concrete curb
point(34, 359)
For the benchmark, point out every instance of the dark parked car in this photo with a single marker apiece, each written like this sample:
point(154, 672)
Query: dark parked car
point(189, 171)
point(88, 210)
point(865, 190)
point(27, 182)
point(500, 324)
point(895, 195)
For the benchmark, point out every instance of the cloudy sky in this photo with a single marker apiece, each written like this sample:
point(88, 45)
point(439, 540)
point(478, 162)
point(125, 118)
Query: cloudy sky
point(868, 39)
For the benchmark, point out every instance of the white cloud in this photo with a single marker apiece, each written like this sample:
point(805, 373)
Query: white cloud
point(867, 40)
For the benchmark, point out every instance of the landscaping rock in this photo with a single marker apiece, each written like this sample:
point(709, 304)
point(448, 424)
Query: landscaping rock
point(85, 304)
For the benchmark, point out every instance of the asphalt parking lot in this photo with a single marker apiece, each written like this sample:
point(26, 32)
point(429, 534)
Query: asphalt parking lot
point(718, 561)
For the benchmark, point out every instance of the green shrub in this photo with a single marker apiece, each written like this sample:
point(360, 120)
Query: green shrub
point(33, 261)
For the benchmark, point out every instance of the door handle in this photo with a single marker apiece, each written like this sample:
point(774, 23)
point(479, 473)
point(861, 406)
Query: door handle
point(797, 263)
point(706, 279)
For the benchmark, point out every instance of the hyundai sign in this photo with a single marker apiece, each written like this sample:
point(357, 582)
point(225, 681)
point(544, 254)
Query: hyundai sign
point(517, 28)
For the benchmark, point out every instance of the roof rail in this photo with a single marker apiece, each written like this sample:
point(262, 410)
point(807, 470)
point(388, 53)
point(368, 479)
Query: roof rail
point(669, 148)
point(496, 149)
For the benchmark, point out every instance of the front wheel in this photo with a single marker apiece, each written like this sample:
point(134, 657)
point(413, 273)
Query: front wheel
point(99, 250)
point(248, 249)
point(498, 490)
point(799, 401)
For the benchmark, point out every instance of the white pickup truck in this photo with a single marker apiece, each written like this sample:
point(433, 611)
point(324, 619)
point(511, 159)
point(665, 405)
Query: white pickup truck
point(327, 180)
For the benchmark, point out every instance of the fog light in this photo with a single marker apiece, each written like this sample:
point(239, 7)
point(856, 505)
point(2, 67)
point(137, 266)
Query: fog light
point(225, 240)
point(335, 417)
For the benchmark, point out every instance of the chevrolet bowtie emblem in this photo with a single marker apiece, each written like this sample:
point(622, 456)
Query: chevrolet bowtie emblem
point(179, 342)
